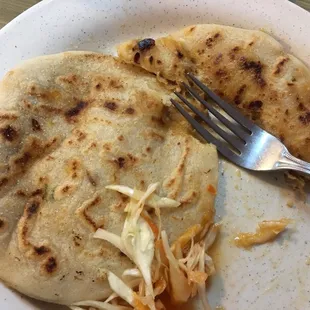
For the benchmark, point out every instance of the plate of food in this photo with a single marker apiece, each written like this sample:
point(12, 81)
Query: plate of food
point(108, 197)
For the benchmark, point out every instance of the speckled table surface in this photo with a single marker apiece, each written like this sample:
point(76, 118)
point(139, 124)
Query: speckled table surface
point(9, 9)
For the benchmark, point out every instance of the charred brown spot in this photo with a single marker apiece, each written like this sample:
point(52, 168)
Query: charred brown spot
point(115, 84)
point(48, 95)
point(121, 162)
point(37, 192)
point(301, 107)
point(282, 138)
point(148, 149)
point(136, 58)
point(21, 193)
point(290, 84)
point(132, 158)
point(49, 109)
point(286, 112)
point(121, 254)
point(3, 182)
point(305, 119)
point(3, 225)
point(151, 60)
point(87, 217)
point(41, 250)
point(200, 51)
point(77, 240)
point(24, 234)
point(32, 208)
point(170, 182)
point(94, 202)
point(130, 110)
point(23, 160)
point(255, 105)
point(159, 62)
point(192, 28)
point(90, 178)
point(110, 105)
point(219, 93)
point(280, 65)
point(218, 58)
point(171, 82)
point(179, 54)
point(35, 125)
point(251, 43)
point(237, 99)
point(221, 73)
point(98, 86)
point(8, 116)
point(232, 53)
point(146, 44)
point(9, 133)
point(51, 265)
point(70, 79)
point(65, 189)
point(255, 68)
point(158, 120)
point(120, 138)
point(75, 111)
point(211, 40)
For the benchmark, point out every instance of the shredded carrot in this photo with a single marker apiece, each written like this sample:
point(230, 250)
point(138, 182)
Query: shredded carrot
point(160, 286)
point(159, 245)
point(186, 237)
point(138, 304)
point(211, 189)
point(197, 277)
point(152, 225)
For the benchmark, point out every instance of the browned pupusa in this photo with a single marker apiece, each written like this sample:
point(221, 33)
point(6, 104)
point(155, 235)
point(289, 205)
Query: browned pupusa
point(71, 124)
point(247, 68)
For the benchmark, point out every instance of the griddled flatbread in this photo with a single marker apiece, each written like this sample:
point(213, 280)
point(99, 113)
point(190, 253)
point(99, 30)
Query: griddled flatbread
point(71, 124)
point(248, 68)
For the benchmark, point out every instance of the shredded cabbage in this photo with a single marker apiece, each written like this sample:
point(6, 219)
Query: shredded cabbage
point(180, 289)
point(182, 269)
point(112, 238)
point(120, 288)
point(134, 272)
point(75, 308)
point(211, 235)
point(99, 305)
point(201, 286)
point(138, 239)
point(153, 201)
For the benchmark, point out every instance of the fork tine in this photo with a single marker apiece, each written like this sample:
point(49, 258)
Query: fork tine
point(236, 143)
point(230, 110)
point(223, 149)
point(232, 127)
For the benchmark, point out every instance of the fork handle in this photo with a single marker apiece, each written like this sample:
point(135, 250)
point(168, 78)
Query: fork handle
point(290, 162)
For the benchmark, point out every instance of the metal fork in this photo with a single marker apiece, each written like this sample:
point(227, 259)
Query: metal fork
point(246, 145)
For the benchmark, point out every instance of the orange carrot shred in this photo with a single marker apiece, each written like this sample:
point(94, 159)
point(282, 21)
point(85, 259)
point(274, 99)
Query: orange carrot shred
point(152, 225)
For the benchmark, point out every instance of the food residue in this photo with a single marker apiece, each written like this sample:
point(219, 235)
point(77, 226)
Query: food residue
point(211, 189)
point(265, 232)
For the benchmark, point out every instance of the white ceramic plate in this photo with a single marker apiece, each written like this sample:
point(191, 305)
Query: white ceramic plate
point(272, 276)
